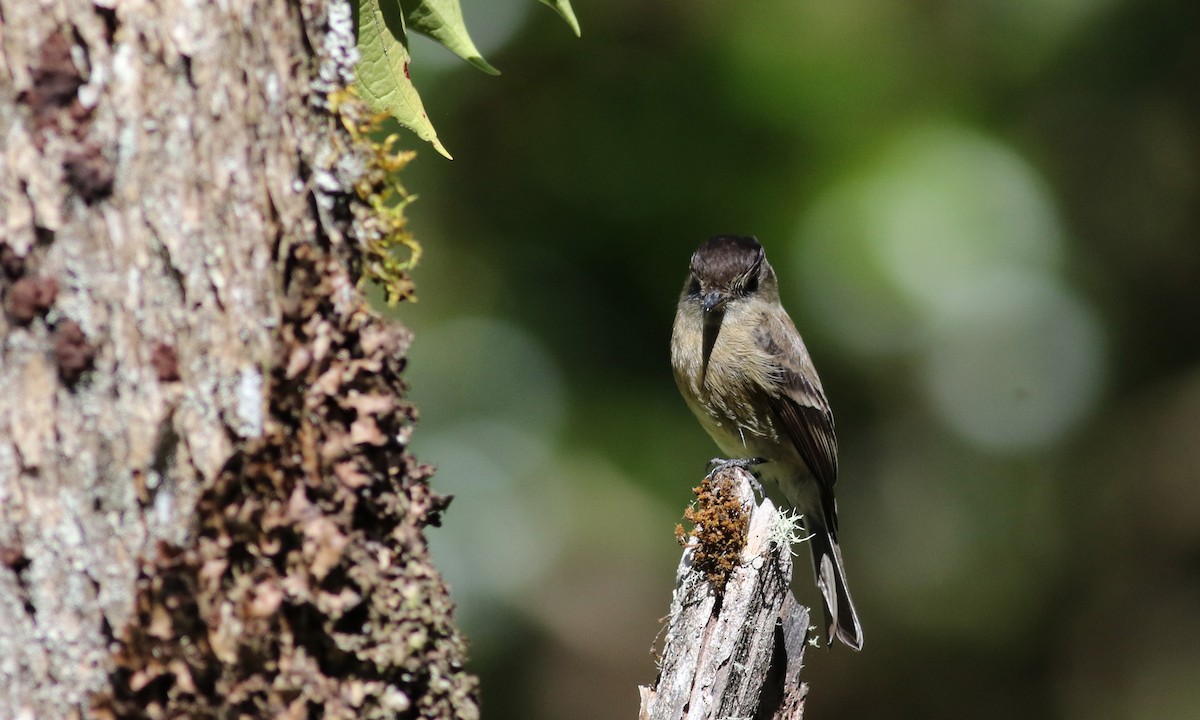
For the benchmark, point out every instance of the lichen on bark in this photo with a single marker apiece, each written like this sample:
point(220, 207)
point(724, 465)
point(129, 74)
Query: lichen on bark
point(310, 589)
point(207, 508)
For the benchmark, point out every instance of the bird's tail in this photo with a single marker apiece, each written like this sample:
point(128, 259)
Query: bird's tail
point(841, 620)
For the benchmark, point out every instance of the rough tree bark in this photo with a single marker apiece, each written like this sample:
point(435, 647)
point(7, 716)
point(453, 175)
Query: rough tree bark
point(206, 506)
point(735, 637)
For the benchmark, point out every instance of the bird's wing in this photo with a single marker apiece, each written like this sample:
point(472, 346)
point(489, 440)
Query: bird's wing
point(808, 422)
point(800, 404)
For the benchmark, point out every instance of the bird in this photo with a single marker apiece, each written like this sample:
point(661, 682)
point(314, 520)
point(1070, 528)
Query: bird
point(744, 371)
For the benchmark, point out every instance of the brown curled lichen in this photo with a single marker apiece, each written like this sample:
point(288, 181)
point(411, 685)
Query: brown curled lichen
point(310, 577)
point(720, 521)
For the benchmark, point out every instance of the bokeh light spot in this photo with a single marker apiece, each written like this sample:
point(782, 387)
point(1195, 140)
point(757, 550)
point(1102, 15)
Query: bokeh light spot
point(949, 207)
point(1015, 362)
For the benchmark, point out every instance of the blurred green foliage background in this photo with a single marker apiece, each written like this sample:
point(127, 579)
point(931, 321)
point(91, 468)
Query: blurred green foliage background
point(985, 219)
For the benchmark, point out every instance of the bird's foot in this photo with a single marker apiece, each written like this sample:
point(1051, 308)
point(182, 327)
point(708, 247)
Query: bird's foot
point(724, 463)
point(718, 464)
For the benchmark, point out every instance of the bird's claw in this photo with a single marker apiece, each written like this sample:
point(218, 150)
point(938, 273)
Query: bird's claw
point(725, 463)
point(718, 464)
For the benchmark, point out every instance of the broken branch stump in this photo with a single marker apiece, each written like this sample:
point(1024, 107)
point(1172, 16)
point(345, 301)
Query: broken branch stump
point(735, 637)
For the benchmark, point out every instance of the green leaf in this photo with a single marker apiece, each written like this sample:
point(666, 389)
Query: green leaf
point(383, 79)
point(442, 20)
point(563, 8)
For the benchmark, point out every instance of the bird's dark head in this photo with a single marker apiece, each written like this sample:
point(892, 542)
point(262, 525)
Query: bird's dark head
point(726, 268)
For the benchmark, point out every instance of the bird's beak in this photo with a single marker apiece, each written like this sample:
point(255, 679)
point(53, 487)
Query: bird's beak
point(713, 301)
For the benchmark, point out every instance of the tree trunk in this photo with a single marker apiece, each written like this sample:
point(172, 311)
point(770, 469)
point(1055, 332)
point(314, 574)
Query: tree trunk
point(206, 506)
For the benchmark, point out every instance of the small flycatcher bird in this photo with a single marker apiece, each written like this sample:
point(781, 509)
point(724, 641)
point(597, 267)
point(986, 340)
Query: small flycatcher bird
point(745, 373)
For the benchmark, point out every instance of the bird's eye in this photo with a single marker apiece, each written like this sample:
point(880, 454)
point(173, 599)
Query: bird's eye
point(751, 284)
point(693, 288)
